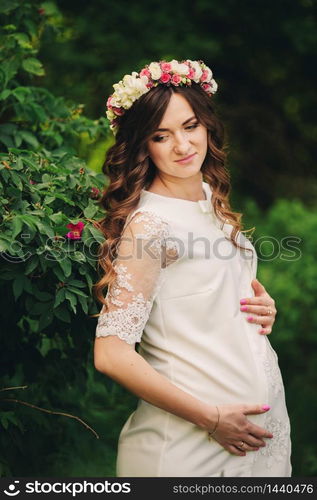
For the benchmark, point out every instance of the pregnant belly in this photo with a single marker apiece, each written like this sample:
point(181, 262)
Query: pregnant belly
point(217, 363)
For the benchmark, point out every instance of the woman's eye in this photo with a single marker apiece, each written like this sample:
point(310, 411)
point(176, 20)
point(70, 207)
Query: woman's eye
point(158, 138)
point(194, 125)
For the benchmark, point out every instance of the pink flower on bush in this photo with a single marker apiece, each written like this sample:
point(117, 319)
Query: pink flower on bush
point(176, 79)
point(94, 193)
point(145, 72)
point(109, 101)
point(32, 182)
point(165, 77)
point(76, 230)
point(166, 67)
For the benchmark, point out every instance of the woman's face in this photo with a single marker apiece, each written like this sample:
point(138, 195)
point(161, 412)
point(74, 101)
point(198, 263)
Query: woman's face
point(179, 136)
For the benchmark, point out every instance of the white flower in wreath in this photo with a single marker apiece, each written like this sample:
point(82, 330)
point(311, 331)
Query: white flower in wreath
point(110, 115)
point(183, 69)
point(155, 70)
point(214, 85)
point(174, 65)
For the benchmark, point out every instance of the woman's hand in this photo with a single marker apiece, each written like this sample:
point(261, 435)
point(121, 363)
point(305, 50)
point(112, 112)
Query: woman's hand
point(236, 433)
point(261, 307)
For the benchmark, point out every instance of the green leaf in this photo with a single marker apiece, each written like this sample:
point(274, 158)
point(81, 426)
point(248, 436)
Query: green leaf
point(91, 210)
point(16, 180)
point(17, 225)
point(97, 235)
point(76, 283)
point(48, 200)
point(29, 138)
point(66, 266)
point(4, 422)
point(86, 236)
point(89, 281)
point(61, 197)
point(83, 303)
point(31, 265)
point(4, 245)
point(58, 273)
point(6, 140)
point(7, 5)
point(4, 94)
point(19, 164)
point(62, 313)
point(78, 256)
point(29, 221)
point(46, 319)
point(60, 297)
point(72, 300)
point(32, 65)
point(75, 290)
point(44, 228)
point(23, 40)
point(21, 94)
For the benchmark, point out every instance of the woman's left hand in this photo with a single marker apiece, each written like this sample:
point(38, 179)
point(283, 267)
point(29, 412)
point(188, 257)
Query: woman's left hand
point(261, 307)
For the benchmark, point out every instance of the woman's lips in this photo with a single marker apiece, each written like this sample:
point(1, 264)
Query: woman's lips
point(187, 159)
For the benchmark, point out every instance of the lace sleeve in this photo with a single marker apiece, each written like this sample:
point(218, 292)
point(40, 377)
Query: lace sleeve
point(145, 249)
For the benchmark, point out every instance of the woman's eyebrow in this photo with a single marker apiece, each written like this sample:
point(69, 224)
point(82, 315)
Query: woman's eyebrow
point(166, 129)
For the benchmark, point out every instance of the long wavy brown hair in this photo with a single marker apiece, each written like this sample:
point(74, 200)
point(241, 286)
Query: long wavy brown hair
point(129, 169)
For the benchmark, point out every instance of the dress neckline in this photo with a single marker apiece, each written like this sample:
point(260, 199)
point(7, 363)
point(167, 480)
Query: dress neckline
point(205, 187)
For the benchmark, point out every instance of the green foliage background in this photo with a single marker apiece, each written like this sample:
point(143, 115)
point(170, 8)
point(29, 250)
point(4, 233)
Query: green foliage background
point(58, 416)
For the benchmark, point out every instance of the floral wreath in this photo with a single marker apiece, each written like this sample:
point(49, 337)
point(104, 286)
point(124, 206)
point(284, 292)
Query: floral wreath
point(133, 86)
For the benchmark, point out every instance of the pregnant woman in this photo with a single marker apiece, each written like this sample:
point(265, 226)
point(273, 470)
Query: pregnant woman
point(184, 324)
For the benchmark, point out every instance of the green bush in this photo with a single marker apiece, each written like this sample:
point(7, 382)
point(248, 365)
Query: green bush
point(47, 268)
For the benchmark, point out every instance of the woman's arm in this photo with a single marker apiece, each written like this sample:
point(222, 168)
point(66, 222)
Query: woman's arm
point(117, 359)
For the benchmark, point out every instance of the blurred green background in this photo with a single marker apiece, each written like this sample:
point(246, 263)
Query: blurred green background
point(65, 56)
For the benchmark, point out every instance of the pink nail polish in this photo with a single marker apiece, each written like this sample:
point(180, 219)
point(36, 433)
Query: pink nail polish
point(243, 301)
point(266, 407)
point(244, 308)
point(250, 318)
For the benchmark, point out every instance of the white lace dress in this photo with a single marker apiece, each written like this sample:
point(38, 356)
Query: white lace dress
point(177, 294)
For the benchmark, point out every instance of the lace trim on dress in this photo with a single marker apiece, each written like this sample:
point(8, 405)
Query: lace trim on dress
point(157, 230)
point(122, 281)
point(127, 324)
point(276, 448)
point(273, 372)
point(128, 321)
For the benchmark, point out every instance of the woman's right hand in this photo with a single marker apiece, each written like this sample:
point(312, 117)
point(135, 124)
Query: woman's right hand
point(234, 428)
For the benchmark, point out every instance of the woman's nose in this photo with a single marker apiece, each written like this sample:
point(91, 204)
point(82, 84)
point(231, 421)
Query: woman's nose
point(181, 144)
